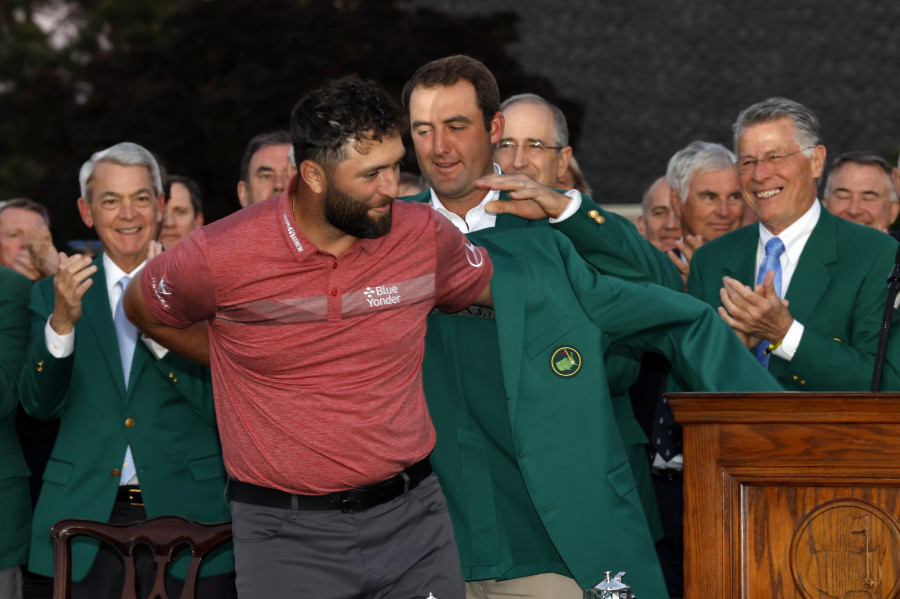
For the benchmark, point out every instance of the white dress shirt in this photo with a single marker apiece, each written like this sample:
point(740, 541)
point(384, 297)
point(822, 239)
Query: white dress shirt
point(794, 239)
point(477, 218)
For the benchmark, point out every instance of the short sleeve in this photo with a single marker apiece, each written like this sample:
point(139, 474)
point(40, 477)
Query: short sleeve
point(462, 269)
point(178, 285)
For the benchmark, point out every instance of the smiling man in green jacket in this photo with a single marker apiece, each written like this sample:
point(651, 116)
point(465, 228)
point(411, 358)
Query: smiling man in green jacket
point(135, 441)
point(529, 453)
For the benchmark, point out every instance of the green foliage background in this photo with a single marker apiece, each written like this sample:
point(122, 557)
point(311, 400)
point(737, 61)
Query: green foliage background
point(194, 80)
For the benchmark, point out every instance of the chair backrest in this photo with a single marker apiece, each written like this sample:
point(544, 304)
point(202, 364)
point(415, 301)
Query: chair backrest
point(164, 535)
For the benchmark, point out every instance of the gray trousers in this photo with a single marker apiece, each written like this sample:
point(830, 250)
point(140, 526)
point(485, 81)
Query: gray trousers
point(11, 583)
point(403, 549)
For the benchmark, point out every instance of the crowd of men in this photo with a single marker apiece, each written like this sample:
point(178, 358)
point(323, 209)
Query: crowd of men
point(455, 394)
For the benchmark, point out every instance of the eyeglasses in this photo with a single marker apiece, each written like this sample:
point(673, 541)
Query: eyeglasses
point(533, 148)
point(772, 161)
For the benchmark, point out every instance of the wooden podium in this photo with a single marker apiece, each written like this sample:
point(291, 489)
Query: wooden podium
point(791, 495)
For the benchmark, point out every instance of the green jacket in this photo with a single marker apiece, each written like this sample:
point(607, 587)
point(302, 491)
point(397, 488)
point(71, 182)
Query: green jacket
point(15, 501)
point(566, 440)
point(173, 433)
point(837, 293)
point(613, 246)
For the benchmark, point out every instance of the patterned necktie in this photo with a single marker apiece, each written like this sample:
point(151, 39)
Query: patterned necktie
point(772, 261)
point(126, 333)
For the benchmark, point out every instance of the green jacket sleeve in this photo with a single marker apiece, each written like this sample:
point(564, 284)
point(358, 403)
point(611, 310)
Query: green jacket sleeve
point(44, 379)
point(703, 350)
point(612, 243)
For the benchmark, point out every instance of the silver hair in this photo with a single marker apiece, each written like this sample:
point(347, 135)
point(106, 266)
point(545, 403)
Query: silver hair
point(807, 132)
point(697, 156)
point(560, 127)
point(123, 154)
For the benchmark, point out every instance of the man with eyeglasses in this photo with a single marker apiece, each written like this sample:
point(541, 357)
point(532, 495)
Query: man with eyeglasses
point(803, 288)
point(535, 139)
point(859, 189)
point(531, 452)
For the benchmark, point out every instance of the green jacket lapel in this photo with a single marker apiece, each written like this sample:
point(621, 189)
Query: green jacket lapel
point(508, 292)
point(741, 261)
point(812, 276)
point(96, 314)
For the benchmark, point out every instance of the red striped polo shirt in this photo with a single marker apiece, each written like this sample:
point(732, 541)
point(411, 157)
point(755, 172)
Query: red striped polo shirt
point(316, 359)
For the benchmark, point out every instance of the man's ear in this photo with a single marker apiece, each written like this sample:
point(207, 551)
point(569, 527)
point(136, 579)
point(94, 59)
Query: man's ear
point(497, 128)
point(84, 209)
point(817, 161)
point(565, 155)
point(675, 201)
point(640, 226)
point(313, 175)
point(243, 194)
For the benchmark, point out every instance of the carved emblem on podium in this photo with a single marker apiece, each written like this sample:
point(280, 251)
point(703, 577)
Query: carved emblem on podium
point(847, 549)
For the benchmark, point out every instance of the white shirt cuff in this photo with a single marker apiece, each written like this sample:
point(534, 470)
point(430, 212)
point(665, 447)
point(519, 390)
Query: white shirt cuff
point(59, 346)
point(158, 351)
point(790, 343)
point(574, 204)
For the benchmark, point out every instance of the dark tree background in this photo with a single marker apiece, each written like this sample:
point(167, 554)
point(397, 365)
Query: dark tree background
point(194, 80)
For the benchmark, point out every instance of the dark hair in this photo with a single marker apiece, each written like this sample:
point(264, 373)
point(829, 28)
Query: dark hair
point(27, 204)
point(272, 138)
point(864, 158)
point(344, 111)
point(193, 191)
point(445, 72)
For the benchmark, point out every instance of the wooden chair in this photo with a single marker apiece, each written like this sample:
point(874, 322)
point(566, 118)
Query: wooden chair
point(164, 535)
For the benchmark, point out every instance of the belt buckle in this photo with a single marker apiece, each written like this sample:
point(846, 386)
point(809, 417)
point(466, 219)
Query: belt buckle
point(135, 497)
point(345, 502)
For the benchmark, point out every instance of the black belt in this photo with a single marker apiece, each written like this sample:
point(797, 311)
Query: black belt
point(354, 500)
point(130, 494)
point(668, 473)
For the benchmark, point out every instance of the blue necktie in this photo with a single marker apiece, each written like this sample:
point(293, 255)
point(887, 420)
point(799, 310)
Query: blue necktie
point(126, 333)
point(772, 261)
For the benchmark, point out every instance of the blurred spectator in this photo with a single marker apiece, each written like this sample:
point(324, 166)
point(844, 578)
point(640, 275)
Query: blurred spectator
point(706, 190)
point(25, 242)
point(859, 189)
point(705, 195)
point(896, 178)
point(410, 184)
point(265, 167)
point(573, 178)
point(183, 212)
point(658, 222)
